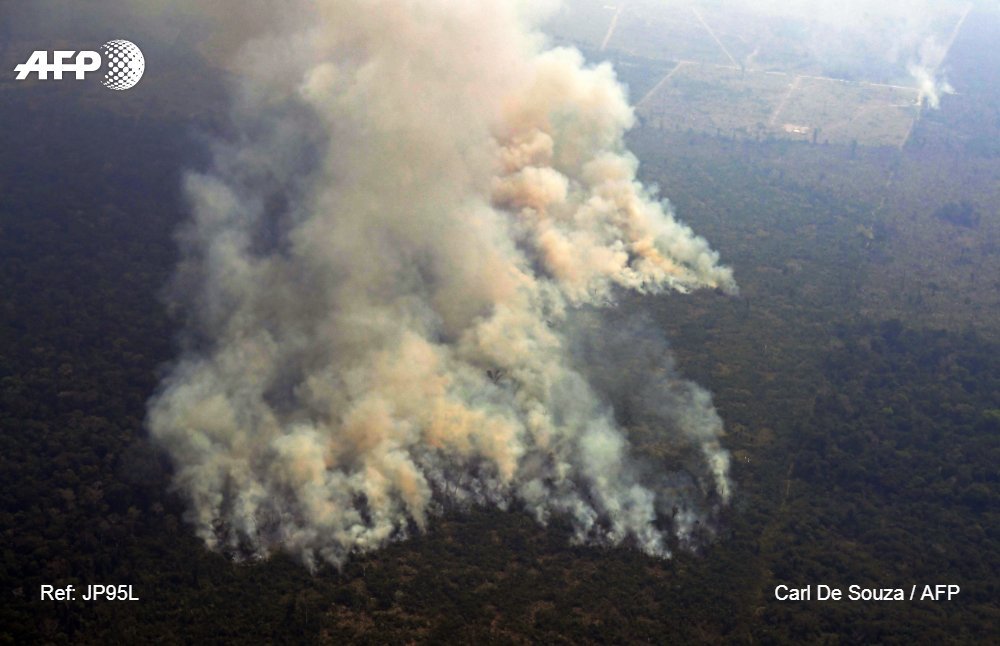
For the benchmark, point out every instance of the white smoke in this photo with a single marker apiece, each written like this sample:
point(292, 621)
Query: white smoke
point(885, 41)
point(924, 71)
point(385, 277)
point(858, 35)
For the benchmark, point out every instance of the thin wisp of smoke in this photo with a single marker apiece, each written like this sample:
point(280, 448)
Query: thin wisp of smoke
point(393, 276)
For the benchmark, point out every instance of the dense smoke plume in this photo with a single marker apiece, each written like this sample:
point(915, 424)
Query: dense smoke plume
point(394, 278)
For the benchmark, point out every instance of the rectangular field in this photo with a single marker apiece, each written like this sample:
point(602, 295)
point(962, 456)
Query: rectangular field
point(729, 101)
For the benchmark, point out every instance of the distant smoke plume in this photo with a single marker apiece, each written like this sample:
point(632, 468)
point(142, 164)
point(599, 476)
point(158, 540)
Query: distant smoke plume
point(886, 41)
point(887, 37)
point(924, 70)
point(394, 280)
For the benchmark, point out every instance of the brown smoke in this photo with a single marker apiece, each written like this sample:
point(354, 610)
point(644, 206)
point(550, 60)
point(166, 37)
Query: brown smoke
point(381, 272)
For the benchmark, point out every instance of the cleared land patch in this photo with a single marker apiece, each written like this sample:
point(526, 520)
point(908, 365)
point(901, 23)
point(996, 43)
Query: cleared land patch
point(744, 70)
point(727, 100)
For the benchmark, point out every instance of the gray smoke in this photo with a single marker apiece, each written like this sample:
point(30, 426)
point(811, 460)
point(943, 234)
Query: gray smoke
point(392, 276)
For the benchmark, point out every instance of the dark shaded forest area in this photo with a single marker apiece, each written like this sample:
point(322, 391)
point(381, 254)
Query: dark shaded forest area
point(858, 375)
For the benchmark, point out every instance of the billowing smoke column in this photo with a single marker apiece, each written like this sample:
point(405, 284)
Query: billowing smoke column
point(393, 280)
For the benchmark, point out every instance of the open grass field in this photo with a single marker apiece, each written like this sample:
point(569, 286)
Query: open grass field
point(709, 98)
point(729, 101)
point(878, 115)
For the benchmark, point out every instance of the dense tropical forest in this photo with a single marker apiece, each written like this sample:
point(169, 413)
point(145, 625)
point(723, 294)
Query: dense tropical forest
point(858, 373)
